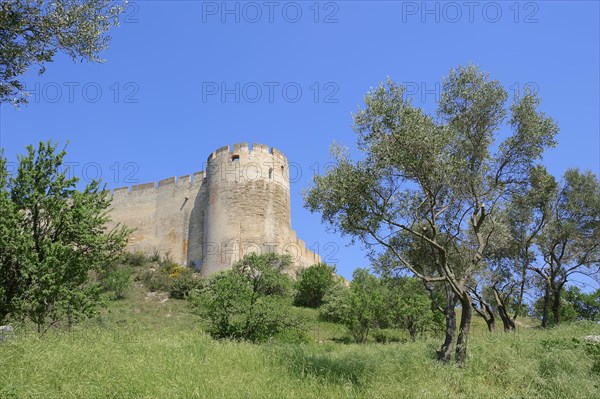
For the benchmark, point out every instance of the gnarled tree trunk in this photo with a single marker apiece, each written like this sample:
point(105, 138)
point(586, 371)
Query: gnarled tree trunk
point(556, 291)
point(465, 326)
point(545, 311)
point(485, 311)
point(507, 322)
point(445, 352)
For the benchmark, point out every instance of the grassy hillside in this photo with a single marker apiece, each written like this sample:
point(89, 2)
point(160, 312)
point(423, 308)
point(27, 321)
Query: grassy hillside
point(146, 347)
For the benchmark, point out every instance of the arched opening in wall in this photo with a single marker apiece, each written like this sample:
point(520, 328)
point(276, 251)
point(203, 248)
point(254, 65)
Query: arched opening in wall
point(235, 158)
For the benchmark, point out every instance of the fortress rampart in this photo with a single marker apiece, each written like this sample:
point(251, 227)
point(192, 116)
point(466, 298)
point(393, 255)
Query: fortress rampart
point(209, 220)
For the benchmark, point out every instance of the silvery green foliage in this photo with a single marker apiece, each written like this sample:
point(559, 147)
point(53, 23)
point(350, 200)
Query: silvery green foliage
point(33, 31)
point(442, 179)
point(570, 241)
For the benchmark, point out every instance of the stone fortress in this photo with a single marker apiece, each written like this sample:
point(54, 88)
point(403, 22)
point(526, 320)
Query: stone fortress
point(209, 220)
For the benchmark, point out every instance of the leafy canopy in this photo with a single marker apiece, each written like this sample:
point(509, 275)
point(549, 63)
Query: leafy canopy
point(53, 237)
point(438, 182)
point(312, 285)
point(33, 31)
point(246, 302)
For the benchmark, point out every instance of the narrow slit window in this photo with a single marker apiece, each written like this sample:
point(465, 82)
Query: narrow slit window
point(270, 173)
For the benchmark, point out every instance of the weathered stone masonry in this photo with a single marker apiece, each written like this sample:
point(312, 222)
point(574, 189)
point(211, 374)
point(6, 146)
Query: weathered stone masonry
point(209, 220)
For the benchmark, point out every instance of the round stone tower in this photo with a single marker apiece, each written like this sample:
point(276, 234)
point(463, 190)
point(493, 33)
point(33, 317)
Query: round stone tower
point(247, 204)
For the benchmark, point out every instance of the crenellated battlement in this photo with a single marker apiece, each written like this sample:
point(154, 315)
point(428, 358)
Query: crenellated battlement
point(238, 148)
point(185, 181)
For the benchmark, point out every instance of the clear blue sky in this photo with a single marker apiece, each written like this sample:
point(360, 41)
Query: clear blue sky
point(158, 114)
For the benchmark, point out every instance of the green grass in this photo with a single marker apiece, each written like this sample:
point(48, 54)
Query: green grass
point(141, 348)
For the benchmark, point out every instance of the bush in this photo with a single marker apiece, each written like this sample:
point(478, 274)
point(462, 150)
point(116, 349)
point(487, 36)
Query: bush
point(247, 302)
point(53, 239)
point(585, 306)
point(135, 259)
point(335, 304)
point(183, 283)
point(361, 308)
point(312, 285)
point(409, 306)
point(155, 256)
point(366, 304)
point(170, 277)
point(118, 281)
point(156, 281)
point(293, 336)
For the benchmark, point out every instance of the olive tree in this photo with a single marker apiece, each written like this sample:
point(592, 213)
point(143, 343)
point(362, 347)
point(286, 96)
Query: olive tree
point(570, 242)
point(33, 31)
point(440, 180)
point(515, 250)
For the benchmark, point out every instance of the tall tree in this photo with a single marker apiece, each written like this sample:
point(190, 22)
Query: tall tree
point(12, 246)
point(515, 250)
point(436, 180)
point(570, 242)
point(33, 31)
point(52, 237)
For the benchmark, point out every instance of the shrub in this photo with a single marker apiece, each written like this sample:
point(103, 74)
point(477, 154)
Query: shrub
point(367, 305)
point(409, 306)
point(53, 239)
point(336, 304)
point(293, 336)
point(183, 283)
point(247, 302)
point(361, 308)
point(585, 306)
point(155, 256)
point(170, 277)
point(157, 281)
point(118, 281)
point(592, 349)
point(312, 285)
point(135, 259)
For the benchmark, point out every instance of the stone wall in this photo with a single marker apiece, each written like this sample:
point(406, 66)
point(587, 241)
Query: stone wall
point(211, 219)
point(161, 216)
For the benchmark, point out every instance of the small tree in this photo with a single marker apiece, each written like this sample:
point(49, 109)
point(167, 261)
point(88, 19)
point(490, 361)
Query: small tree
point(408, 305)
point(312, 285)
point(366, 306)
point(52, 237)
point(246, 302)
point(13, 247)
point(336, 304)
point(586, 306)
